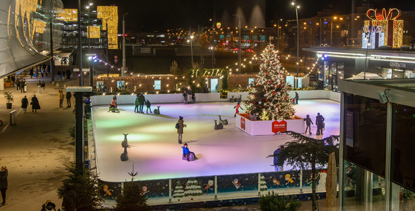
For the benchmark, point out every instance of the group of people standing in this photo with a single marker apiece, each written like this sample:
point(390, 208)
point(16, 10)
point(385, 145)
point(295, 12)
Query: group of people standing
point(140, 100)
point(42, 70)
point(21, 85)
point(41, 87)
point(68, 99)
point(186, 94)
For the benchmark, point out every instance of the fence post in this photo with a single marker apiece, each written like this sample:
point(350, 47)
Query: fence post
point(169, 190)
point(259, 184)
point(301, 181)
point(122, 188)
point(216, 187)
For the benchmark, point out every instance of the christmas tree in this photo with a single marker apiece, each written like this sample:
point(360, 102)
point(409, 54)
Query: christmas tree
point(262, 184)
point(193, 188)
point(178, 190)
point(269, 94)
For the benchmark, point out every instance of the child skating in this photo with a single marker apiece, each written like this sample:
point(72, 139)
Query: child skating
point(148, 105)
point(237, 107)
point(308, 123)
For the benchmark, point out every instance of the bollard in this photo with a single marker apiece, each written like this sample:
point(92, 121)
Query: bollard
point(13, 117)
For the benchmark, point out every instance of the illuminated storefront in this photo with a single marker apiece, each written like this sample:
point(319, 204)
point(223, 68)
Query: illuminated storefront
point(338, 63)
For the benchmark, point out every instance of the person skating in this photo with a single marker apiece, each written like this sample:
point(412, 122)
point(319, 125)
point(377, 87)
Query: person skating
point(42, 71)
point(185, 97)
point(308, 123)
point(180, 125)
point(136, 104)
point(60, 94)
point(37, 72)
point(148, 105)
point(141, 101)
point(3, 183)
point(114, 98)
point(320, 124)
point(193, 97)
point(35, 104)
point(276, 154)
point(68, 99)
point(297, 96)
point(25, 102)
point(237, 107)
point(187, 153)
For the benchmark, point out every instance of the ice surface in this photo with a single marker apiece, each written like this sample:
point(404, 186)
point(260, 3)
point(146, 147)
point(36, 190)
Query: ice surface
point(156, 154)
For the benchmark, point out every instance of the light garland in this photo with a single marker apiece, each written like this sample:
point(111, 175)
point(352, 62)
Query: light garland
point(255, 57)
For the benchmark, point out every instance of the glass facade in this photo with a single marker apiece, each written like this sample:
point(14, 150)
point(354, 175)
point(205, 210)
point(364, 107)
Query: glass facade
point(365, 147)
point(25, 32)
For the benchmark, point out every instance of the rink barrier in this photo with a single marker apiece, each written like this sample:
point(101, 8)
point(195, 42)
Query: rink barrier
point(208, 97)
point(186, 192)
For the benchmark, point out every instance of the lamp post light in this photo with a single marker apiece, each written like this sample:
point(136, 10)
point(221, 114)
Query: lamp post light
point(123, 45)
point(81, 76)
point(298, 35)
point(278, 33)
point(239, 42)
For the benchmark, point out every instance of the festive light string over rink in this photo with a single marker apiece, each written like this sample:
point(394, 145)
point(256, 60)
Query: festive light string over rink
point(255, 58)
point(156, 153)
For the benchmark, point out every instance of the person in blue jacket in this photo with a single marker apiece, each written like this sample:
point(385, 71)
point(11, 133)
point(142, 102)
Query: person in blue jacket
point(276, 156)
point(186, 151)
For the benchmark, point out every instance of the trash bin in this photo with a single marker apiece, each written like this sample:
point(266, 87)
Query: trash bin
point(13, 117)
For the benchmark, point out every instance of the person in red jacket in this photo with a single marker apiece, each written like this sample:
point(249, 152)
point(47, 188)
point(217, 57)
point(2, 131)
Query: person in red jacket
point(237, 107)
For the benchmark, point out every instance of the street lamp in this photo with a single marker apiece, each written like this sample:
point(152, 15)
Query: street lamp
point(239, 42)
point(191, 46)
point(298, 35)
point(108, 59)
point(123, 45)
point(81, 77)
point(278, 33)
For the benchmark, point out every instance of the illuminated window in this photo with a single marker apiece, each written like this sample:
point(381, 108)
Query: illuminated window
point(157, 84)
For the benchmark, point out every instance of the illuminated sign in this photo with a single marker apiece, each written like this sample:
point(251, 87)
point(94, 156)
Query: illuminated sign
point(218, 25)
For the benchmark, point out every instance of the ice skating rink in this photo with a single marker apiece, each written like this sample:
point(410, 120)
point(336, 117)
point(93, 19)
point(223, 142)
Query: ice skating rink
point(156, 154)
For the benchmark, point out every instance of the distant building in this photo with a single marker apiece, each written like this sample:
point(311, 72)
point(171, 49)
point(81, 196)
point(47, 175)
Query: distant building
point(93, 21)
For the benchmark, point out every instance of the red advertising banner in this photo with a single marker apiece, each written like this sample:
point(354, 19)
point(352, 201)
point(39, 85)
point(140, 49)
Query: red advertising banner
point(279, 126)
point(243, 123)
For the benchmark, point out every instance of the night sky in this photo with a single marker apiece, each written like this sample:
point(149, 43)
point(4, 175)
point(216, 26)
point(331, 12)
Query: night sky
point(160, 15)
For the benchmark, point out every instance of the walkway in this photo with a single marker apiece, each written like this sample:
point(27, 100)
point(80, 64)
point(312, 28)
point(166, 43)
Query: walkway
point(37, 149)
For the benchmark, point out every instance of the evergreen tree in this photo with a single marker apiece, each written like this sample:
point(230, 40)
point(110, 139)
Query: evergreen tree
point(269, 94)
point(263, 184)
point(178, 190)
point(305, 152)
point(132, 198)
point(193, 188)
point(85, 184)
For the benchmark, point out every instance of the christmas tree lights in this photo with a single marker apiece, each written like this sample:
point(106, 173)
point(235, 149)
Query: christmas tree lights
point(269, 94)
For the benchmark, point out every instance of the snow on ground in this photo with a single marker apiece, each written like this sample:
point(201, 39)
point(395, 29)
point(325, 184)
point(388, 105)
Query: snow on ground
point(156, 154)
